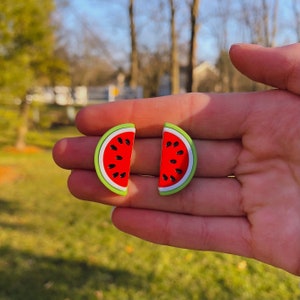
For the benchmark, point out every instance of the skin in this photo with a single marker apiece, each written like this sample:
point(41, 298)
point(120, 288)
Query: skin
point(253, 136)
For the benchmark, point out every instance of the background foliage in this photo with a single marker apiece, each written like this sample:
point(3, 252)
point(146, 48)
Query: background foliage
point(26, 44)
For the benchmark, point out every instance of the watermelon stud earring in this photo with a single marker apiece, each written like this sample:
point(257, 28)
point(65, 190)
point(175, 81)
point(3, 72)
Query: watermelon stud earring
point(112, 157)
point(178, 160)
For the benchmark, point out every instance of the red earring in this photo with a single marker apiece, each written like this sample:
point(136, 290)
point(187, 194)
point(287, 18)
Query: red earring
point(178, 160)
point(112, 157)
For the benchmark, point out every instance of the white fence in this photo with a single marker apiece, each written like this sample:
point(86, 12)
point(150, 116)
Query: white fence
point(82, 95)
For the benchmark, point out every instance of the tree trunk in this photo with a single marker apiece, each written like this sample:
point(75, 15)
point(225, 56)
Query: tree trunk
point(23, 125)
point(175, 82)
point(134, 52)
point(192, 59)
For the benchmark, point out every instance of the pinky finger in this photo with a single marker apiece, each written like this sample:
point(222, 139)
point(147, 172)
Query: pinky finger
point(221, 234)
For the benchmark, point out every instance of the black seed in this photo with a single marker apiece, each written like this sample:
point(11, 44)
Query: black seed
point(180, 152)
point(165, 177)
point(176, 144)
point(119, 157)
point(168, 144)
point(122, 175)
point(173, 179)
point(120, 140)
point(111, 166)
point(113, 147)
point(173, 161)
point(116, 174)
point(178, 171)
point(127, 142)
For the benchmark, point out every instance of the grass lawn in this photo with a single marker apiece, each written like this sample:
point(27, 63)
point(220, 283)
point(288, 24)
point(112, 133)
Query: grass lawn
point(53, 246)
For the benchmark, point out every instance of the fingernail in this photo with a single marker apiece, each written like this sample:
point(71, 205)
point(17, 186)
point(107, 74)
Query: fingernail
point(247, 46)
point(112, 211)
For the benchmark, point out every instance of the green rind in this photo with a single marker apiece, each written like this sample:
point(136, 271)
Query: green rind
point(195, 160)
point(96, 157)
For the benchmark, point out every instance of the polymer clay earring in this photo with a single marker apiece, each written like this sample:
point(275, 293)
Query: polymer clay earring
point(178, 160)
point(112, 157)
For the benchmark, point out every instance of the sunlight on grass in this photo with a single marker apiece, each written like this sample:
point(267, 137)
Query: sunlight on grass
point(53, 246)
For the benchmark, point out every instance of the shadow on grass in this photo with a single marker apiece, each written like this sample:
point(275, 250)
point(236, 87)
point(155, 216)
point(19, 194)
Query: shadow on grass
point(11, 208)
point(27, 276)
point(8, 207)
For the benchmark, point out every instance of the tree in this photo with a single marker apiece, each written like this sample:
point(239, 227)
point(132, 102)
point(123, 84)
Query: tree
point(231, 80)
point(175, 86)
point(26, 46)
point(153, 66)
point(260, 19)
point(134, 51)
point(84, 47)
point(220, 17)
point(270, 22)
point(192, 59)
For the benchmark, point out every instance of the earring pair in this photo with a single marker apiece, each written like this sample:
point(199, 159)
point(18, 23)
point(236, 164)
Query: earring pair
point(113, 156)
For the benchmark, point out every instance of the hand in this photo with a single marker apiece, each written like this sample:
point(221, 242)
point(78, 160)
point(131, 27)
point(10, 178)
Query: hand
point(253, 136)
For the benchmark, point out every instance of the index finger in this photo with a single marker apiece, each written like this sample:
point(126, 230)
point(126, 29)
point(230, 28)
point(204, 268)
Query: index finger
point(210, 116)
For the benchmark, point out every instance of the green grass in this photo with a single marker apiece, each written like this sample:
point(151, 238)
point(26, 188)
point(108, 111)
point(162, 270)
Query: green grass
point(42, 133)
point(53, 246)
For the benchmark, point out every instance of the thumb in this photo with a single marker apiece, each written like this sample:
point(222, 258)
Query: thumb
point(278, 67)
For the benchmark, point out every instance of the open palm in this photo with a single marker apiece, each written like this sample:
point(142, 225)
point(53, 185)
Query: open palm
point(245, 197)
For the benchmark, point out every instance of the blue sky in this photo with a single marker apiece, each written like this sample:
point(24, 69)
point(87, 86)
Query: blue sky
point(108, 19)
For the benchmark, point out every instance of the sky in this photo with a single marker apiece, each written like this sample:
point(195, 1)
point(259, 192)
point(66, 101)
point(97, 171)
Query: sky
point(107, 20)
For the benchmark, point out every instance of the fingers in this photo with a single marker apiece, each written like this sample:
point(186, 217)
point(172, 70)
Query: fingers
point(220, 196)
point(222, 234)
point(206, 116)
point(278, 67)
point(215, 158)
